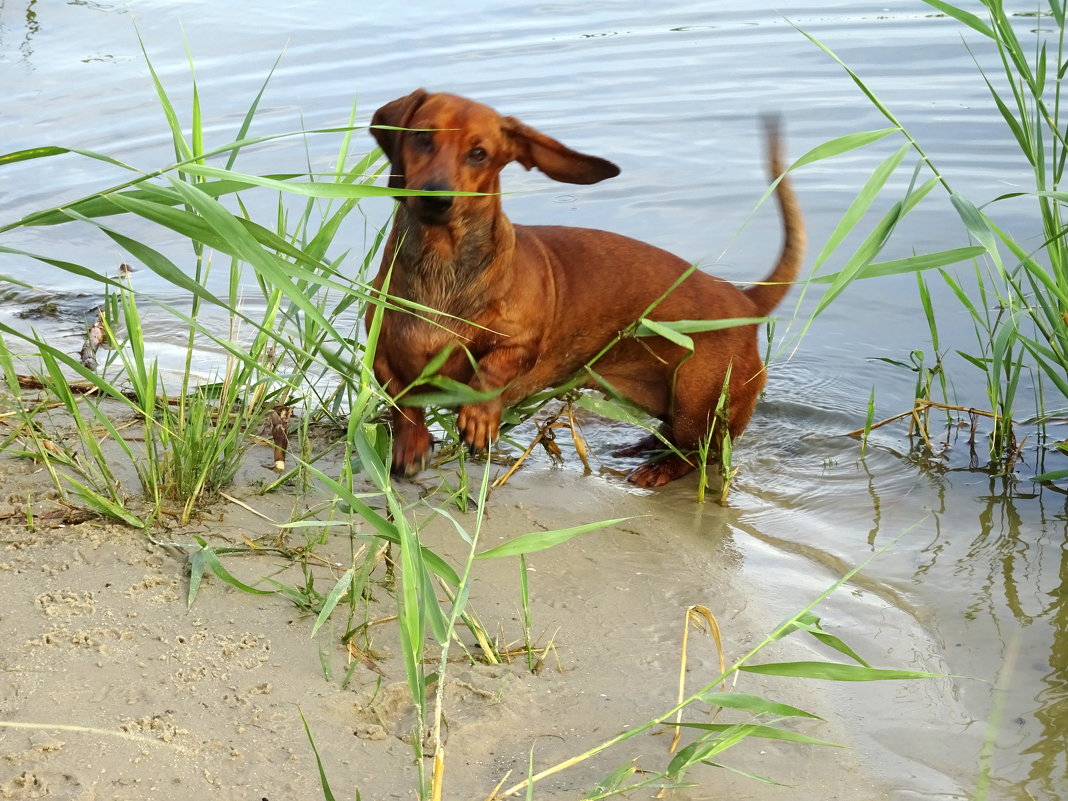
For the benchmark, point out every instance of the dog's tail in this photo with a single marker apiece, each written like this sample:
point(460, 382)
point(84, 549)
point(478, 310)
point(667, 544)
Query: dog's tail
point(770, 292)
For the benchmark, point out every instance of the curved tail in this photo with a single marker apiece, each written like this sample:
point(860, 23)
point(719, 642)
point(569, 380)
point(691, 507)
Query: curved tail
point(770, 292)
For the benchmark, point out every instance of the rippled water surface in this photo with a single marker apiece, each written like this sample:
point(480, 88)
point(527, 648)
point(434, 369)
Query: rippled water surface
point(976, 585)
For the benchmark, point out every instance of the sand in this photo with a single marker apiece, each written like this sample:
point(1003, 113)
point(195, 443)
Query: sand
point(111, 687)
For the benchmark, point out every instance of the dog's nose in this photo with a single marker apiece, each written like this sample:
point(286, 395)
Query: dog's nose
point(436, 204)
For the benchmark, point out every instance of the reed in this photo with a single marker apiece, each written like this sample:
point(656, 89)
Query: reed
point(1015, 295)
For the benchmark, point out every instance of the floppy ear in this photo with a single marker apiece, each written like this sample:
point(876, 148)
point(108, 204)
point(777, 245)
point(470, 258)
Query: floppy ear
point(561, 163)
point(397, 113)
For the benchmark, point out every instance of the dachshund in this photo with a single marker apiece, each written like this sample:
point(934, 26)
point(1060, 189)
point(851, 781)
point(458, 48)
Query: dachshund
point(509, 310)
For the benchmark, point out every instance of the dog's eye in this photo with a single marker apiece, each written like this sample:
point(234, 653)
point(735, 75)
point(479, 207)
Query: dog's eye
point(423, 140)
point(477, 155)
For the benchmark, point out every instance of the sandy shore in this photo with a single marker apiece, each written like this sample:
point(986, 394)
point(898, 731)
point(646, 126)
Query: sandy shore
point(111, 688)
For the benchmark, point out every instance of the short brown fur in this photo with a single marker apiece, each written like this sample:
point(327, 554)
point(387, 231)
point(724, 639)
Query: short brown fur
point(530, 305)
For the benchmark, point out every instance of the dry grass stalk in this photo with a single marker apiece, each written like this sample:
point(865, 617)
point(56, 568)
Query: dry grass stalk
point(701, 618)
point(546, 437)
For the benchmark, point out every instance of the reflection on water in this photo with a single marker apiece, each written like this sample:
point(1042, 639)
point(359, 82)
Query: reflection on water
point(29, 26)
point(983, 561)
point(671, 94)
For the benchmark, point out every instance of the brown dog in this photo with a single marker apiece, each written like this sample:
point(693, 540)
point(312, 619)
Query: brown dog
point(526, 307)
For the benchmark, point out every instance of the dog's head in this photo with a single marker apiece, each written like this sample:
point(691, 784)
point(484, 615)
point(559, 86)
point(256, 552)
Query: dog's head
point(444, 143)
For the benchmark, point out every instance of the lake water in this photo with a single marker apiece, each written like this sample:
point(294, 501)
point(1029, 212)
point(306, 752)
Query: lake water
point(671, 92)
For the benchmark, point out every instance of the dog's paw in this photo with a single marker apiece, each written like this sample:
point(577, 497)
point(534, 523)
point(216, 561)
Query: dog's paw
point(657, 473)
point(479, 425)
point(411, 451)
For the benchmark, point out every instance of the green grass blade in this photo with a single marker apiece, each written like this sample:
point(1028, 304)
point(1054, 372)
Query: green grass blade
point(761, 731)
point(66, 266)
point(672, 328)
point(647, 328)
point(369, 458)
point(842, 144)
point(833, 671)
point(181, 147)
point(614, 410)
point(809, 622)
point(332, 599)
point(315, 189)
point(871, 245)
point(541, 540)
point(50, 151)
point(961, 15)
point(860, 205)
point(755, 705)
point(383, 527)
point(911, 264)
point(246, 123)
point(213, 563)
point(102, 504)
point(977, 225)
point(1054, 475)
point(245, 247)
point(76, 366)
point(745, 774)
point(328, 794)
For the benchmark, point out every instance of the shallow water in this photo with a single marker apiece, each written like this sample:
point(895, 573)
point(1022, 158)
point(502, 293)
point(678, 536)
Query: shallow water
point(672, 95)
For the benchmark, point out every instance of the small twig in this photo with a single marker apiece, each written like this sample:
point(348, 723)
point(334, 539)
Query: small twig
point(33, 382)
point(83, 388)
point(918, 425)
point(920, 405)
point(518, 462)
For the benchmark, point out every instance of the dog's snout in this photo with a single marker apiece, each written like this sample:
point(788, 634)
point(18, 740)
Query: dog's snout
point(434, 208)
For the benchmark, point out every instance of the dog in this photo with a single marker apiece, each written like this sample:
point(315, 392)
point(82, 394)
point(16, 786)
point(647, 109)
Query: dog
point(520, 308)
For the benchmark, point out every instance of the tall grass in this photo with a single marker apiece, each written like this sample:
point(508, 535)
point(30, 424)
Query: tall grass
point(1016, 295)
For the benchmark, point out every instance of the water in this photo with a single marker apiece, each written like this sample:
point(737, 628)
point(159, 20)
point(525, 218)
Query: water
point(671, 93)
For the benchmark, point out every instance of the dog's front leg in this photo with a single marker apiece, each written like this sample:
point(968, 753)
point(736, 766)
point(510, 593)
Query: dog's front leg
point(411, 440)
point(479, 424)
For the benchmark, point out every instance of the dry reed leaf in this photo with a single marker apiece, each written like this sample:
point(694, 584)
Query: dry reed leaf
point(365, 659)
point(701, 618)
point(548, 442)
point(132, 737)
point(94, 338)
point(546, 437)
point(246, 507)
point(577, 438)
point(493, 793)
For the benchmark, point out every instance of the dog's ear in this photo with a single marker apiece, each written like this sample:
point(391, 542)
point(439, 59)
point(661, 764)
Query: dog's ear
point(559, 162)
point(397, 113)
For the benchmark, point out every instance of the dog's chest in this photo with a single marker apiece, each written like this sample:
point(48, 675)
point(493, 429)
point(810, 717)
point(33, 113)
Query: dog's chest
point(434, 340)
